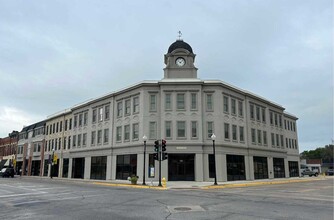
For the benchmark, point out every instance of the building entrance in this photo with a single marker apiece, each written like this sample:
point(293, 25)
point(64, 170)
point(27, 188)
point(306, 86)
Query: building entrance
point(181, 167)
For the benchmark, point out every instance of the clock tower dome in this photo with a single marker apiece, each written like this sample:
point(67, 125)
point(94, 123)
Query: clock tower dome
point(179, 61)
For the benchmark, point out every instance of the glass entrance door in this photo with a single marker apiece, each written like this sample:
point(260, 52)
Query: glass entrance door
point(181, 167)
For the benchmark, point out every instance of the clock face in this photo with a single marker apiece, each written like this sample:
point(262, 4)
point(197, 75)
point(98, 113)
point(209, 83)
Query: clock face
point(180, 61)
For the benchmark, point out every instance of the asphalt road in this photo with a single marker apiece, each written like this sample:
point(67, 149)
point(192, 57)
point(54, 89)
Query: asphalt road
point(29, 198)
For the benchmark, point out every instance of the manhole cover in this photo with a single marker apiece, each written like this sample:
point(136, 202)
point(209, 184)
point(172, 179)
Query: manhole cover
point(182, 209)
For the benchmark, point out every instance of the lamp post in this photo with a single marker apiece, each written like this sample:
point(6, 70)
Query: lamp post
point(213, 138)
point(144, 167)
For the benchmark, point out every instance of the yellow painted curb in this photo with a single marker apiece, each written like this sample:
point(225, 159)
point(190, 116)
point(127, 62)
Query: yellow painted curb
point(130, 185)
point(257, 184)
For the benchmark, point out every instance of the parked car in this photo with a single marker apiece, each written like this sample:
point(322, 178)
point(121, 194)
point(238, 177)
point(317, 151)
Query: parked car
point(310, 172)
point(330, 172)
point(7, 172)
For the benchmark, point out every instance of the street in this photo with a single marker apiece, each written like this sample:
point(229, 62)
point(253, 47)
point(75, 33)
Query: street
point(29, 198)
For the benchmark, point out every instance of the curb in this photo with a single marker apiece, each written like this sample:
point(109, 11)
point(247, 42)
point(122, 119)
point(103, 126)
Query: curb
point(130, 185)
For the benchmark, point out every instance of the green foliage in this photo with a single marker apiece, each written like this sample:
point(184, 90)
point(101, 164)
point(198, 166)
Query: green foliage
point(324, 153)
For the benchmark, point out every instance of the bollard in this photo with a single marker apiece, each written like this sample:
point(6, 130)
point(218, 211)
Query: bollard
point(164, 184)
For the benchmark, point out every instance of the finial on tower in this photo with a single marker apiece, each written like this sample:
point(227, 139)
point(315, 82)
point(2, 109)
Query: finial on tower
point(180, 34)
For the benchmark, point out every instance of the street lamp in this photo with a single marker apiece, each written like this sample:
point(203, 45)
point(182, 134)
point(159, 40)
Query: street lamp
point(144, 167)
point(213, 138)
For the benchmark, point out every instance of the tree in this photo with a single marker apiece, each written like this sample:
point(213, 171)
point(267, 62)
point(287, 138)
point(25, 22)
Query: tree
point(324, 153)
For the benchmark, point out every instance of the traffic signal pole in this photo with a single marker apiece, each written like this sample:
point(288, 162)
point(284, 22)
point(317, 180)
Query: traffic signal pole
point(160, 157)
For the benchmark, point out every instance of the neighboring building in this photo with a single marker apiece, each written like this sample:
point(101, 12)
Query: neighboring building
point(255, 137)
point(8, 146)
point(30, 150)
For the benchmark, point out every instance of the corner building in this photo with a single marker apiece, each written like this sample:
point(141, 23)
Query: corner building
point(255, 137)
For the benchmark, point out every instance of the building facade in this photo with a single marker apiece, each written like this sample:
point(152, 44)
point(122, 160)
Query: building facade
point(8, 147)
point(255, 137)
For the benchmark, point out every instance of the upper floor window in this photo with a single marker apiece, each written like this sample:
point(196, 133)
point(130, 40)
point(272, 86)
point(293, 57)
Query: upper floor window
point(106, 136)
point(271, 118)
point(253, 135)
point(181, 129)
point(168, 101)
point(241, 134)
point(259, 136)
point(85, 118)
point(209, 129)
point(99, 136)
point(240, 109)
point(280, 120)
point(251, 109)
point(194, 129)
point(80, 120)
point(265, 138)
point(126, 132)
point(226, 131)
point(101, 114)
point(225, 103)
point(127, 107)
point(153, 102)
point(93, 137)
point(233, 106)
point(209, 102)
point(61, 126)
point(180, 101)
point(70, 125)
point(119, 133)
point(168, 129)
point(136, 104)
point(75, 121)
point(107, 112)
point(273, 139)
point(84, 139)
point(135, 131)
point(234, 132)
point(193, 101)
point(47, 131)
point(263, 115)
point(152, 130)
point(94, 115)
point(276, 121)
point(119, 109)
point(258, 113)
point(57, 127)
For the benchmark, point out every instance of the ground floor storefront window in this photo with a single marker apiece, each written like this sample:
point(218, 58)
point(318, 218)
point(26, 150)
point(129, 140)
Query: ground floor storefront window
point(46, 168)
point(55, 169)
point(235, 167)
point(19, 167)
point(151, 166)
point(65, 167)
point(126, 166)
point(78, 167)
point(293, 169)
point(212, 166)
point(98, 168)
point(260, 168)
point(279, 171)
point(35, 167)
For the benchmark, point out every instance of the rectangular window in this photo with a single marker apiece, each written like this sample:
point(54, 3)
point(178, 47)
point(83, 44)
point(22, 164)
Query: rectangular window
point(153, 130)
point(153, 102)
point(294, 126)
point(280, 120)
point(85, 118)
point(64, 144)
point(127, 107)
point(289, 143)
point(136, 105)
point(94, 115)
point(209, 102)
point(79, 140)
point(84, 139)
point(101, 114)
point(119, 109)
point(240, 109)
point(119, 133)
point(74, 141)
point(271, 118)
point(226, 131)
point(241, 134)
point(273, 139)
point(47, 131)
point(251, 109)
point(106, 136)
point(99, 136)
point(265, 138)
point(233, 107)
point(234, 132)
point(296, 144)
point(126, 132)
point(263, 115)
point(107, 112)
point(61, 126)
point(75, 121)
point(210, 129)
point(57, 127)
point(54, 127)
point(180, 101)
point(258, 113)
point(65, 125)
point(168, 101)
point(80, 120)
point(70, 126)
point(168, 129)
point(135, 131)
point(282, 141)
point(277, 140)
point(59, 143)
point(253, 136)
point(69, 143)
point(194, 129)
point(193, 101)
point(276, 121)
point(259, 136)
point(288, 125)
point(93, 137)
point(285, 124)
point(286, 143)
point(225, 103)
point(181, 129)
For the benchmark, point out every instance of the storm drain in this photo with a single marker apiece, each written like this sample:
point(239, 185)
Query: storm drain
point(176, 209)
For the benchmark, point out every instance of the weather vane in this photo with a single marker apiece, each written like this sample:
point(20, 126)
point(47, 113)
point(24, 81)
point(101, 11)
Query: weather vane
point(180, 34)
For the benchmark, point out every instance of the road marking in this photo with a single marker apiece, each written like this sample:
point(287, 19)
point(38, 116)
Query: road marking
point(22, 194)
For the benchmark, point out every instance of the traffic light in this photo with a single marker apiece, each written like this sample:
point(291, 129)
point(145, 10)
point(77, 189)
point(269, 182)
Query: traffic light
point(163, 145)
point(164, 156)
point(156, 150)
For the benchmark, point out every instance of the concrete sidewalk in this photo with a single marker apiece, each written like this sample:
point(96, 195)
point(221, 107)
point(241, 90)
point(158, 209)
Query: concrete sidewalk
point(188, 184)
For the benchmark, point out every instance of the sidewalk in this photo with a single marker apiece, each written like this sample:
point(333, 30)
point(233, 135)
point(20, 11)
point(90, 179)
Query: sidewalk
point(189, 184)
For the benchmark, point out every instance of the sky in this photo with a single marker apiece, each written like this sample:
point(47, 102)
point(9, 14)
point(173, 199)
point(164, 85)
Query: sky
point(55, 54)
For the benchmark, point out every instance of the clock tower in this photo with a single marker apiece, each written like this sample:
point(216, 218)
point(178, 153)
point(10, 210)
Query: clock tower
point(179, 61)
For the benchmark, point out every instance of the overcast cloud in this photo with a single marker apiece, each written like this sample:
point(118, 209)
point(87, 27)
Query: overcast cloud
point(55, 54)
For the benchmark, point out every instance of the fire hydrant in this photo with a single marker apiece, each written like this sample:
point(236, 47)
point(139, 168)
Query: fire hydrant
point(164, 184)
